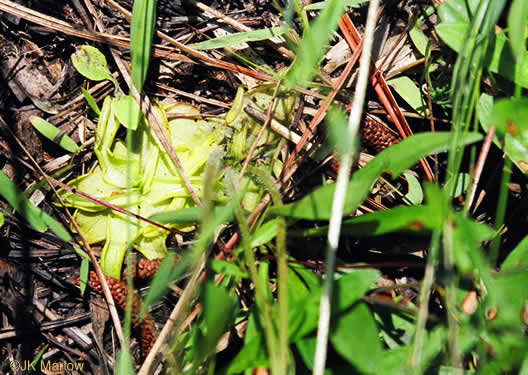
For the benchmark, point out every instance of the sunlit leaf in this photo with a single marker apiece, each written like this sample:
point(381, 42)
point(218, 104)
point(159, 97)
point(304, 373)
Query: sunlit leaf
point(91, 63)
point(415, 191)
point(407, 89)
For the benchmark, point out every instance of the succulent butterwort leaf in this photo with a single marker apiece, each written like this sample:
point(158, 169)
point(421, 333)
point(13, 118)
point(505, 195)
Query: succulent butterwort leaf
point(155, 185)
point(127, 111)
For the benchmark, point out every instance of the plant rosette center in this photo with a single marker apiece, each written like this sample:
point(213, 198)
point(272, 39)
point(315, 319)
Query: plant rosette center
point(136, 173)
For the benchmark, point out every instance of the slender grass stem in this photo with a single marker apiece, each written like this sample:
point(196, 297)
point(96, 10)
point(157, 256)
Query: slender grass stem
point(340, 193)
point(425, 292)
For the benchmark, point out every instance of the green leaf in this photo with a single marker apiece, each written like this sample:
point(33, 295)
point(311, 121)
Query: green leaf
point(512, 148)
point(141, 32)
point(127, 111)
point(451, 34)
point(415, 192)
point(394, 160)
point(239, 38)
point(517, 23)
point(518, 258)
point(314, 43)
point(509, 117)
point(21, 204)
point(303, 316)
point(169, 271)
point(264, 234)
point(192, 215)
point(85, 266)
point(2, 219)
point(229, 268)
point(454, 11)
point(51, 132)
point(91, 101)
point(462, 184)
point(218, 312)
point(125, 363)
point(407, 89)
point(409, 218)
point(365, 348)
point(91, 63)
point(418, 37)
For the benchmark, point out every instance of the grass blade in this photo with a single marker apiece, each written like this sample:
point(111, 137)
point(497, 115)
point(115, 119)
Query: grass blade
point(141, 33)
point(314, 42)
point(394, 160)
point(49, 131)
point(239, 38)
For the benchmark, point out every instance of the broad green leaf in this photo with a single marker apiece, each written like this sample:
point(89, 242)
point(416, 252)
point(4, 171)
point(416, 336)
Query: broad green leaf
point(91, 63)
point(242, 37)
point(303, 316)
point(251, 356)
point(504, 63)
point(517, 23)
point(315, 42)
point(407, 89)
point(409, 218)
point(49, 131)
point(454, 11)
point(91, 101)
point(512, 147)
point(510, 118)
point(451, 34)
point(415, 191)
point(393, 160)
point(2, 219)
point(306, 347)
point(218, 313)
point(264, 234)
point(518, 258)
point(127, 111)
point(141, 32)
point(418, 37)
point(365, 348)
